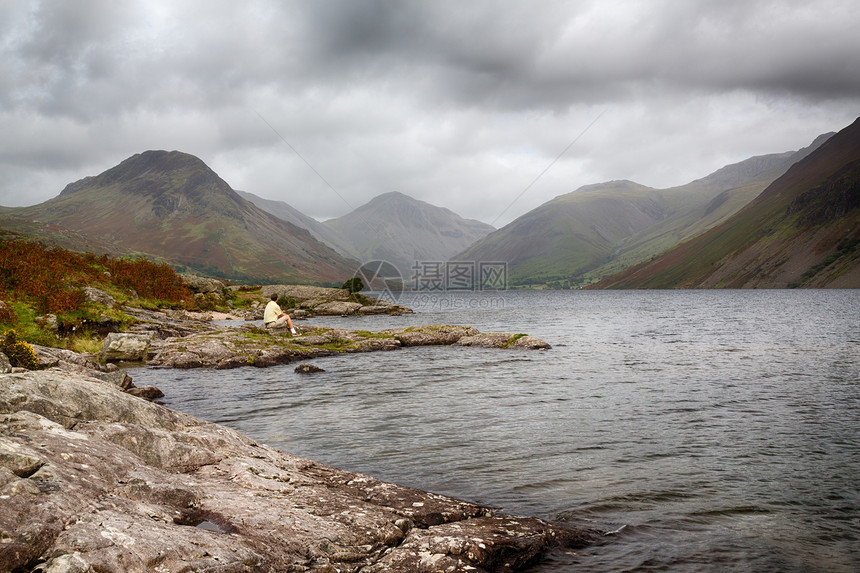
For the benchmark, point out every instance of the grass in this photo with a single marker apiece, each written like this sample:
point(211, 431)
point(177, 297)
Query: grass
point(514, 339)
point(85, 345)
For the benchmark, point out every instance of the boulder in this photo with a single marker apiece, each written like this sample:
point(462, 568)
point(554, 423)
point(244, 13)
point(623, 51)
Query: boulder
point(49, 322)
point(122, 346)
point(93, 294)
point(204, 285)
point(182, 361)
point(298, 314)
point(374, 344)
point(432, 335)
point(118, 378)
point(308, 369)
point(500, 340)
point(531, 343)
point(417, 339)
point(384, 308)
point(146, 392)
point(486, 340)
point(64, 359)
point(5, 365)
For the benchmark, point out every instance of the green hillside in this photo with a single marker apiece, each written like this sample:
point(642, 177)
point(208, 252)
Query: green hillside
point(598, 230)
point(803, 230)
point(575, 231)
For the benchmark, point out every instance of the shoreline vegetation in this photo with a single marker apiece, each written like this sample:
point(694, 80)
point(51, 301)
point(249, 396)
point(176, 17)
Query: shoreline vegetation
point(95, 475)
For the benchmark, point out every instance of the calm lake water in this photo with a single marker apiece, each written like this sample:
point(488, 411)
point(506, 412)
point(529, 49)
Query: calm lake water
point(702, 430)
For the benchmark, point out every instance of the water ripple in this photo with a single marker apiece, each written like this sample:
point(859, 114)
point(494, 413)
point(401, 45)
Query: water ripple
point(706, 430)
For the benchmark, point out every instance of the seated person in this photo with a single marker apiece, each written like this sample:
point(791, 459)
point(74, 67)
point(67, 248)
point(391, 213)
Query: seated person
point(274, 317)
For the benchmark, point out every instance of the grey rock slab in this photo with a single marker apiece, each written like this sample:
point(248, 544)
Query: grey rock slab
point(92, 479)
point(123, 346)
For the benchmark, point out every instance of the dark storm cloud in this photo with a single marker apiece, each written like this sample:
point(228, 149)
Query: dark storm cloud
point(477, 53)
point(457, 103)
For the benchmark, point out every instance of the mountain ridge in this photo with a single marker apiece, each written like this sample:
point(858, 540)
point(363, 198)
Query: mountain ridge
point(172, 205)
point(287, 212)
point(802, 230)
point(402, 230)
point(598, 229)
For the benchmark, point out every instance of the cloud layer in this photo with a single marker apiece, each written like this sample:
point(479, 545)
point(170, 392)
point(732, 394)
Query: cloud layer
point(459, 104)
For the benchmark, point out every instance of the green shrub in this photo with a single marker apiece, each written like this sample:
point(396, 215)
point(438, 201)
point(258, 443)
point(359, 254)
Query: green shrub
point(206, 301)
point(19, 352)
point(286, 302)
point(353, 285)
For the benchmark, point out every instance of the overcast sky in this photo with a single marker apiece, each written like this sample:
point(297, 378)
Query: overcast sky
point(463, 104)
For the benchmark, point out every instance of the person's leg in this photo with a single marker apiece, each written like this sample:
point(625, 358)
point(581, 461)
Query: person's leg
point(284, 322)
point(279, 324)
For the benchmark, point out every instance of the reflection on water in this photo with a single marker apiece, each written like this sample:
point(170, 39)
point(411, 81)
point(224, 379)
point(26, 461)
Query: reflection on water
point(710, 430)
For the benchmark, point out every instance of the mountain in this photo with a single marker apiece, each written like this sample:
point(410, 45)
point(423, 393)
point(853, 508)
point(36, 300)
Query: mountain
point(802, 230)
point(288, 213)
point(597, 230)
point(171, 205)
point(570, 233)
point(396, 228)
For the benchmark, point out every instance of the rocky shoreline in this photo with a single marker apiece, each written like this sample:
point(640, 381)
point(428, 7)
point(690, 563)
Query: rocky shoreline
point(253, 346)
point(94, 478)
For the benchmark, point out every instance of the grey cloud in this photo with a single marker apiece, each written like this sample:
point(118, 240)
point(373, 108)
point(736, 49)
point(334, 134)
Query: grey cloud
point(462, 101)
point(513, 56)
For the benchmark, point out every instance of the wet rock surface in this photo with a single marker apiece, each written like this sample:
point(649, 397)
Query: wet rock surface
point(308, 368)
point(94, 479)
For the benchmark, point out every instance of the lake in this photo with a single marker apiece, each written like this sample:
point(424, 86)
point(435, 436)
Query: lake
point(699, 430)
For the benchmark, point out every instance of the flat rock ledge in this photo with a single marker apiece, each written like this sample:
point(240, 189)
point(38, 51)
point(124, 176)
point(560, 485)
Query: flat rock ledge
point(253, 346)
point(93, 479)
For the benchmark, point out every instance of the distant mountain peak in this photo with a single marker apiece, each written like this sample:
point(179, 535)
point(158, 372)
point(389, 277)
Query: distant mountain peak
point(172, 205)
point(394, 198)
point(392, 195)
point(402, 230)
point(149, 166)
point(159, 158)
